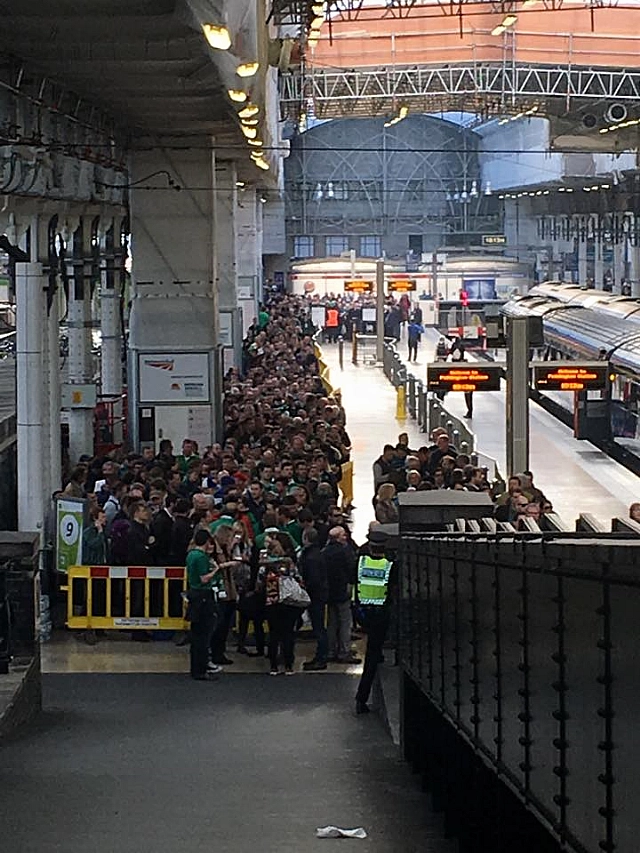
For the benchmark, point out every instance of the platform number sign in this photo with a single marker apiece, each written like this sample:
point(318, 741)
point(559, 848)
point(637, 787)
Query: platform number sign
point(70, 527)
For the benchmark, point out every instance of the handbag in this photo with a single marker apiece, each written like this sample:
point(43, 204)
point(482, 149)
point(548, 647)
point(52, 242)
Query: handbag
point(290, 592)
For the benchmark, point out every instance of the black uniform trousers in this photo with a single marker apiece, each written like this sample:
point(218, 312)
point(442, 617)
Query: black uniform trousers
point(376, 623)
point(202, 628)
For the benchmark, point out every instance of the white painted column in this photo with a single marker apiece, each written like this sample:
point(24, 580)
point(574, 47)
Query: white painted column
point(227, 199)
point(110, 365)
point(46, 479)
point(618, 266)
point(55, 442)
point(634, 270)
point(598, 264)
point(31, 285)
point(582, 262)
point(249, 262)
point(79, 325)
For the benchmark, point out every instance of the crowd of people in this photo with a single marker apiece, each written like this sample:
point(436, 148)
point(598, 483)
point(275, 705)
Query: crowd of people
point(248, 517)
point(440, 466)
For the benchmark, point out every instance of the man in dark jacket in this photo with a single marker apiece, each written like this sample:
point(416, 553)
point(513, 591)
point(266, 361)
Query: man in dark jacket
point(139, 538)
point(314, 574)
point(341, 576)
point(181, 533)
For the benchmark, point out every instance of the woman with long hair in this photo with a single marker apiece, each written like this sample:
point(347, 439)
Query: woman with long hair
point(222, 554)
point(282, 618)
point(250, 602)
point(385, 504)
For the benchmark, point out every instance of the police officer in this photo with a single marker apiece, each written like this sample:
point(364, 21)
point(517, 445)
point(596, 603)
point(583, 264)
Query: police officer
point(373, 610)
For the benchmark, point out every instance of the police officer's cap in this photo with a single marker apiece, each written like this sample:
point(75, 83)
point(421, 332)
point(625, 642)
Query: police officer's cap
point(377, 537)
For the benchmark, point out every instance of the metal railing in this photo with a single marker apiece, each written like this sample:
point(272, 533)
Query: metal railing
point(429, 412)
point(520, 687)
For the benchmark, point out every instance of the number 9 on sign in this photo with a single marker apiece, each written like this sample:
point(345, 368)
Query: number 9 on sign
point(69, 529)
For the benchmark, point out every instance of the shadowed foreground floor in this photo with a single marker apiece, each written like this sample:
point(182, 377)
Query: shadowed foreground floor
point(161, 764)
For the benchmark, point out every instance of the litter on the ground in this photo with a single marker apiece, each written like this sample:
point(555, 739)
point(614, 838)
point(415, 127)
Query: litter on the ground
point(337, 832)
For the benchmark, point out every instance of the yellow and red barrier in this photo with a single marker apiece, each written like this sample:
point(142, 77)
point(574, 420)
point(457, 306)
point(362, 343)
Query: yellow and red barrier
point(126, 597)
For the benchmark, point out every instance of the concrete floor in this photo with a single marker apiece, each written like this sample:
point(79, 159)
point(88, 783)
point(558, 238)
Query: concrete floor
point(160, 764)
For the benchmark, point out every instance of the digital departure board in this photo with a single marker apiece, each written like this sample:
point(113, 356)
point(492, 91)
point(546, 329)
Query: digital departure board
point(464, 377)
point(358, 285)
point(401, 285)
point(570, 376)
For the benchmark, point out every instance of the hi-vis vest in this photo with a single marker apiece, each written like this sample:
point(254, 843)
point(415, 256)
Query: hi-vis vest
point(333, 318)
point(373, 578)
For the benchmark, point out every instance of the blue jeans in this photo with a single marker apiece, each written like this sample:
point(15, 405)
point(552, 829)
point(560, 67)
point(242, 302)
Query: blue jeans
point(316, 614)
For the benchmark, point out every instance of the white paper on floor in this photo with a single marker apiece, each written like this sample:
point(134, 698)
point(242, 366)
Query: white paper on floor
point(336, 832)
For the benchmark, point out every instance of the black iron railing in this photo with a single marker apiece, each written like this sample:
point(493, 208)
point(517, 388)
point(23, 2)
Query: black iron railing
point(526, 646)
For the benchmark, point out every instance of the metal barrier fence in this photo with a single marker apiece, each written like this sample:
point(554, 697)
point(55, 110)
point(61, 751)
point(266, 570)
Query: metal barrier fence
point(521, 694)
point(422, 406)
point(126, 597)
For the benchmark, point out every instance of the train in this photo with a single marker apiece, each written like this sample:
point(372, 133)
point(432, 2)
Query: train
point(586, 324)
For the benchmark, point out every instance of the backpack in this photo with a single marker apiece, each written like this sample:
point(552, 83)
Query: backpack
point(118, 542)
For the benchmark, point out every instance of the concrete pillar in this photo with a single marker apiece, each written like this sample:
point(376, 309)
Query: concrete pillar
point(634, 270)
point(110, 364)
point(249, 259)
point(174, 310)
point(31, 285)
point(618, 266)
point(582, 260)
point(226, 201)
point(598, 264)
point(227, 198)
point(80, 271)
point(55, 442)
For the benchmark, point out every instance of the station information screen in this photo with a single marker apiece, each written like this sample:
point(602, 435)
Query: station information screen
point(570, 376)
point(464, 377)
point(401, 285)
point(358, 286)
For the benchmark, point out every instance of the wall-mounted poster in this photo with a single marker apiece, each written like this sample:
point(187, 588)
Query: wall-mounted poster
point(174, 377)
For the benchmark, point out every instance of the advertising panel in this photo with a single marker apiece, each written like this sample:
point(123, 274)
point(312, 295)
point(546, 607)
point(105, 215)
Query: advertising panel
point(174, 377)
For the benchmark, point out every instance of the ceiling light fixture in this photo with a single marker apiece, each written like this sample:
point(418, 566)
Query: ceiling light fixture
point(317, 8)
point(317, 23)
point(403, 112)
point(509, 20)
point(262, 164)
point(247, 69)
point(249, 110)
point(249, 132)
point(217, 36)
point(249, 122)
point(237, 95)
point(256, 143)
point(497, 31)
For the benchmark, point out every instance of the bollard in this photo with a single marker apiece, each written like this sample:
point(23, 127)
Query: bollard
point(455, 438)
point(354, 346)
point(401, 403)
point(341, 352)
point(464, 448)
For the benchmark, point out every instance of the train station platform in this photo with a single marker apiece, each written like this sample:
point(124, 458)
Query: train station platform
point(576, 476)
point(155, 764)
